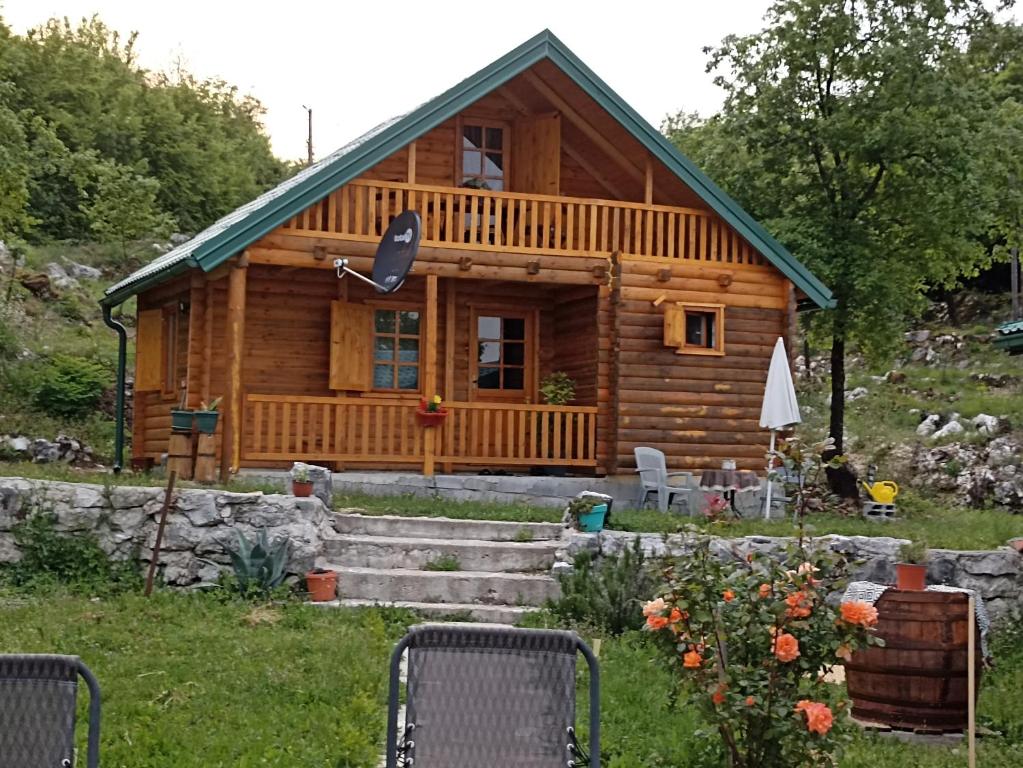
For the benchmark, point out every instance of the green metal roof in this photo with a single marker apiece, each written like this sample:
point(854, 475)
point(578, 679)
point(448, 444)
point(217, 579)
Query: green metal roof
point(242, 227)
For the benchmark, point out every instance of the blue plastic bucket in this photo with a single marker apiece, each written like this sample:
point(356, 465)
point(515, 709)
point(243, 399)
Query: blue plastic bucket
point(593, 521)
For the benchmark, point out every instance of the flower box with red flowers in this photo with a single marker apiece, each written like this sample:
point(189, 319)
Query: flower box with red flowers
point(431, 413)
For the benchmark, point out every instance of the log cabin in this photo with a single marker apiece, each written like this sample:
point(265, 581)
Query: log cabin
point(560, 233)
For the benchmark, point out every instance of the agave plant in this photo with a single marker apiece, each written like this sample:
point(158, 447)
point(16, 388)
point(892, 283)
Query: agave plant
point(259, 566)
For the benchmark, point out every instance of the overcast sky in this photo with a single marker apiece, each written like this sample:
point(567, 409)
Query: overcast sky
point(357, 64)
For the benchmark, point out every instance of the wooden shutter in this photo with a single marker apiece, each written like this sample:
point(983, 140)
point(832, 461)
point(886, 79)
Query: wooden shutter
point(536, 154)
point(149, 350)
point(351, 339)
point(674, 326)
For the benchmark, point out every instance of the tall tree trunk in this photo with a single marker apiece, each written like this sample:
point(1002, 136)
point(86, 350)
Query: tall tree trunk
point(837, 426)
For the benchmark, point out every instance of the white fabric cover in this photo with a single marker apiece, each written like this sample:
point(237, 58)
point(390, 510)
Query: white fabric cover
point(780, 408)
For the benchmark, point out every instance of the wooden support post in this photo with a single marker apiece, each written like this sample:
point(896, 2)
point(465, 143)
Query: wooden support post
point(648, 192)
point(207, 344)
point(971, 681)
point(154, 557)
point(231, 447)
point(430, 370)
point(412, 163)
point(450, 319)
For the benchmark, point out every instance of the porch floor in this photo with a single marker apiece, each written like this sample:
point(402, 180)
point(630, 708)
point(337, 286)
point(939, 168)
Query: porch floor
point(542, 491)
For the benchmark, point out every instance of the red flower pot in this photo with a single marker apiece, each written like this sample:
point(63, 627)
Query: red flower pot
point(431, 418)
point(300, 489)
point(911, 576)
point(322, 585)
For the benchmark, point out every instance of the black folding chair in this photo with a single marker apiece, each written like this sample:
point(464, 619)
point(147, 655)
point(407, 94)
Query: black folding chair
point(490, 695)
point(38, 696)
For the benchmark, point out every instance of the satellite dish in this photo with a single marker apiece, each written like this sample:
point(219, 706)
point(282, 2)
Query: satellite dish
point(395, 254)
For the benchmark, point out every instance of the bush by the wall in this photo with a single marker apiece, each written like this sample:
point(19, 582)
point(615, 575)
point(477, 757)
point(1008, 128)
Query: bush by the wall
point(70, 386)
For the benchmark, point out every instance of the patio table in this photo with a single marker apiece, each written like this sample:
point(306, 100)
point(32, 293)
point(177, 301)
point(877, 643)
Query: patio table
point(730, 482)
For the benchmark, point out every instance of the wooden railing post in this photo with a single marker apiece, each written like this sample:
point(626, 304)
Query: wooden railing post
point(231, 447)
point(430, 370)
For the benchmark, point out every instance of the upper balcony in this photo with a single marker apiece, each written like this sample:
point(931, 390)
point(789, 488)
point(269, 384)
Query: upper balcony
point(513, 222)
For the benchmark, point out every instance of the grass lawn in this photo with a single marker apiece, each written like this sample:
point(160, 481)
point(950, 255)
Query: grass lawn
point(189, 680)
point(433, 506)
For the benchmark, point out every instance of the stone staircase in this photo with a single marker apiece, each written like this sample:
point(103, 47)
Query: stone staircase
point(503, 568)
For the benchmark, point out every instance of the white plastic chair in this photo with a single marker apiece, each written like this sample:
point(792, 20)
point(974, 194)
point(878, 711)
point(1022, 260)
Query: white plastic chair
point(654, 478)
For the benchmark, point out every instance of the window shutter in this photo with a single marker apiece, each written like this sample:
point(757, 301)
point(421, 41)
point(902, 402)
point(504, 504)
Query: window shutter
point(674, 326)
point(536, 154)
point(351, 334)
point(149, 350)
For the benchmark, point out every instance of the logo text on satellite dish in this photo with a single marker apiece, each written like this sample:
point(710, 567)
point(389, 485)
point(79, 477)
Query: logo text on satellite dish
point(406, 237)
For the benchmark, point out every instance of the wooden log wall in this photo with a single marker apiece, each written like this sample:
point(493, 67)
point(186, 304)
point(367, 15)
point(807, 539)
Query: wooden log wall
point(698, 409)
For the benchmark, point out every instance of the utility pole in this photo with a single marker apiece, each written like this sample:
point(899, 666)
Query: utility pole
point(309, 138)
point(1014, 285)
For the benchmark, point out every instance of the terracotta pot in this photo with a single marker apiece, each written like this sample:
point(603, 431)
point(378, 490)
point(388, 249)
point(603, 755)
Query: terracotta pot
point(300, 489)
point(322, 585)
point(431, 418)
point(911, 576)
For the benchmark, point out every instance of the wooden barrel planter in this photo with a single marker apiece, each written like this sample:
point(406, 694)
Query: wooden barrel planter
point(918, 680)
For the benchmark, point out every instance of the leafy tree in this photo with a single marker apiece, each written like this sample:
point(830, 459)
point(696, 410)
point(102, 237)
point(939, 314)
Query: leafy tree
point(850, 129)
point(123, 206)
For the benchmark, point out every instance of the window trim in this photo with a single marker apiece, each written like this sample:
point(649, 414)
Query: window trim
point(393, 306)
point(485, 122)
point(528, 392)
point(718, 310)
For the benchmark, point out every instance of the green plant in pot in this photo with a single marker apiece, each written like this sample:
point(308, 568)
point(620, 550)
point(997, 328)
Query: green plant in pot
point(182, 418)
point(301, 485)
point(588, 513)
point(206, 416)
point(911, 570)
point(558, 388)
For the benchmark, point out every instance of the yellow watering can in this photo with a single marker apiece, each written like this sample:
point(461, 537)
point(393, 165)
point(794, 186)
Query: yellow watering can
point(883, 492)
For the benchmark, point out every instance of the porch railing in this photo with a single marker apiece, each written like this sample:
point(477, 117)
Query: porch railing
point(477, 219)
point(385, 431)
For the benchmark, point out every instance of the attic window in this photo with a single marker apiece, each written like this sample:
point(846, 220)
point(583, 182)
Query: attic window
point(483, 155)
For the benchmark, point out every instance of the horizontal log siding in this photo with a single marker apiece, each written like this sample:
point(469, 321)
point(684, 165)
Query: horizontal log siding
point(697, 409)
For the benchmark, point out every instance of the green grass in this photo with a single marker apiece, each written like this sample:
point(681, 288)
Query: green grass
point(430, 506)
point(443, 563)
point(68, 474)
point(192, 682)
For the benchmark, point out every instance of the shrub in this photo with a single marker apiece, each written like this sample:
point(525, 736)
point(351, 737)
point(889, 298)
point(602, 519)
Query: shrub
point(71, 386)
point(751, 639)
point(73, 561)
point(607, 594)
point(259, 565)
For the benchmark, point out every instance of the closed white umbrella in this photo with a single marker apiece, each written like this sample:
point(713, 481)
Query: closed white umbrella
point(780, 408)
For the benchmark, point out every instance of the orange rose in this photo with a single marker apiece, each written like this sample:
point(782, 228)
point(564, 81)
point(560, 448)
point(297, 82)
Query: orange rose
point(676, 616)
point(750, 701)
point(818, 716)
point(859, 612)
point(765, 591)
point(798, 605)
point(718, 697)
point(656, 622)
point(728, 595)
point(786, 647)
point(692, 660)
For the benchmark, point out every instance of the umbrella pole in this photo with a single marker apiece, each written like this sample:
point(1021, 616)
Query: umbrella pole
point(770, 485)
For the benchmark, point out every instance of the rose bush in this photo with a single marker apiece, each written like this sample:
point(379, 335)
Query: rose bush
point(752, 639)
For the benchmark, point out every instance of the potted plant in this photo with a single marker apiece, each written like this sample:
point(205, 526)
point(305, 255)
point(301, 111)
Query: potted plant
point(182, 418)
point(301, 485)
point(431, 413)
point(588, 513)
point(911, 570)
point(558, 388)
point(206, 417)
point(321, 584)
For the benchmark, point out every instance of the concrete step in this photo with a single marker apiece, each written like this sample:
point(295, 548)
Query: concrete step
point(444, 528)
point(415, 553)
point(492, 614)
point(409, 585)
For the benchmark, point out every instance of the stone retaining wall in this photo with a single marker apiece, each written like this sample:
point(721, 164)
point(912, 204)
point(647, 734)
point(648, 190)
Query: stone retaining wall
point(996, 575)
point(200, 527)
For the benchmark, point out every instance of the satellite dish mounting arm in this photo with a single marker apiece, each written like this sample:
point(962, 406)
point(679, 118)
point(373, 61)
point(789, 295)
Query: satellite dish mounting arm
point(343, 269)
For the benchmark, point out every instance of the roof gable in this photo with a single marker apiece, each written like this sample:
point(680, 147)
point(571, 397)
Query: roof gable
point(240, 228)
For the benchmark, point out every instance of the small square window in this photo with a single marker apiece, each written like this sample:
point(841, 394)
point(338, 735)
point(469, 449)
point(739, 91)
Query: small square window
point(696, 329)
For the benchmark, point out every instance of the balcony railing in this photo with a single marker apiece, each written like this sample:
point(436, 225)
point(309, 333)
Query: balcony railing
point(520, 223)
point(384, 431)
